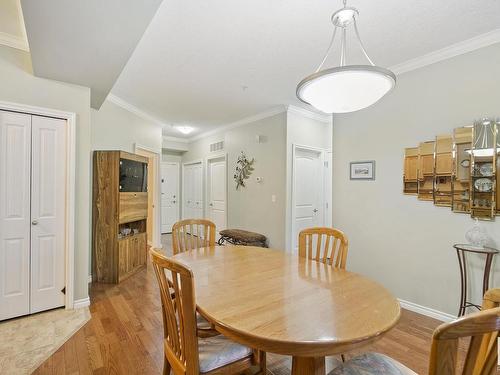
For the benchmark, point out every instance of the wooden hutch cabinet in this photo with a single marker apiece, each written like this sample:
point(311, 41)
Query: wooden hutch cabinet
point(119, 217)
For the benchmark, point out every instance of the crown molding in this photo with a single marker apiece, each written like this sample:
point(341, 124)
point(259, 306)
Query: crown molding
point(246, 120)
point(175, 139)
point(310, 114)
point(133, 109)
point(468, 45)
point(14, 41)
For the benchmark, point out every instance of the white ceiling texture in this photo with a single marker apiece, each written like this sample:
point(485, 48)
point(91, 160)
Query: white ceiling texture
point(209, 63)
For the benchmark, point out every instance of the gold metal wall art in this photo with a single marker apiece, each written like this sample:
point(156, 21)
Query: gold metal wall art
point(458, 170)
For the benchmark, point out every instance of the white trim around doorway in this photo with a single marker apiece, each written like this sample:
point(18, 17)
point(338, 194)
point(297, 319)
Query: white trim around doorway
point(70, 118)
point(156, 199)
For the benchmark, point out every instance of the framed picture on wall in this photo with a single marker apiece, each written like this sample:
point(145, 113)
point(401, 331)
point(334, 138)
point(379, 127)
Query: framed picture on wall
point(362, 170)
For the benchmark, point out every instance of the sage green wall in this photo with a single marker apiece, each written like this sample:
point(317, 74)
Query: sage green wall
point(18, 85)
point(251, 208)
point(404, 243)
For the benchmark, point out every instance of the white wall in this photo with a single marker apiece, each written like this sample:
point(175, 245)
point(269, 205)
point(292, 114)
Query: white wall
point(251, 208)
point(20, 86)
point(404, 243)
point(304, 129)
point(115, 128)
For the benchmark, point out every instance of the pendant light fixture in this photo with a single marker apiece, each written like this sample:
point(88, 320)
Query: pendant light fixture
point(345, 88)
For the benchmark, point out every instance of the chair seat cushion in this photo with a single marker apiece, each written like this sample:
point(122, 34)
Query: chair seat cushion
point(202, 323)
point(243, 235)
point(219, 351)
point(372, 364)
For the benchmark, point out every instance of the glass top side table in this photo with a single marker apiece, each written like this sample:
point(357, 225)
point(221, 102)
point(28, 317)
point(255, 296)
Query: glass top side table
point(467, 248)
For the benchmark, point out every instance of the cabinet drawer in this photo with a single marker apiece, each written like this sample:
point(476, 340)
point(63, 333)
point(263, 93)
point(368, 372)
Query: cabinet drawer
point(133, 207)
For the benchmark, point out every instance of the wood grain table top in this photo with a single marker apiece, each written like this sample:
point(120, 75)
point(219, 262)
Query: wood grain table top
point(285, 304)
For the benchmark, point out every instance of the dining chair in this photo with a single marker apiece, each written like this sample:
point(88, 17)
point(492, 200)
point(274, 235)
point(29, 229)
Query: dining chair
point(192, 234)
point(481, 358)
point(184, 352)
point(332, 251)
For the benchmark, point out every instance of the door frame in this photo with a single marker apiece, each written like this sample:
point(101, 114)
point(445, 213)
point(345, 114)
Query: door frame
point(322, 152)
point(69, 248)
point(183, 185)
point(179, 198)
point(220, 155)
point(156, 236)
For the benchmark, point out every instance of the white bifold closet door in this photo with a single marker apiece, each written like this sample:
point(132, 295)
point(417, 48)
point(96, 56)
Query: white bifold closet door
point(193, 191)
point(32, 213)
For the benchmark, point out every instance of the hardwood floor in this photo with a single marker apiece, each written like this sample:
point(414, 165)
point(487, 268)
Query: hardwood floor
point(124, 335)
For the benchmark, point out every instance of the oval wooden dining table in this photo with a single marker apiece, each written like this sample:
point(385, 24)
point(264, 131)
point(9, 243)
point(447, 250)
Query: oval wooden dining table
point(281, 303)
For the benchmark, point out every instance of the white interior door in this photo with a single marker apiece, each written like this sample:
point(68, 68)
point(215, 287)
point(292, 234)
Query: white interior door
point(169, 195)
point(307, 191)
point(48, 166)
point(328, 189)
point(187, 191)
point(216, 192)
point(15, 154)
point(192, 191)
point(198, 191)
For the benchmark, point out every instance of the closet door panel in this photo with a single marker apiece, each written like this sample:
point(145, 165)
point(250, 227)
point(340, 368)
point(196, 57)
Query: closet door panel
point(48, 213)
point(15, 142)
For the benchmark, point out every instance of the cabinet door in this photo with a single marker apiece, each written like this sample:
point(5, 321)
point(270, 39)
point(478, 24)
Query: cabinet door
point(123, 257)
point(15, 150)
point(142, 248)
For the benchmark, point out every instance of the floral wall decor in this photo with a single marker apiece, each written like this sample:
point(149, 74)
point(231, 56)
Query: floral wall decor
point(244, 169)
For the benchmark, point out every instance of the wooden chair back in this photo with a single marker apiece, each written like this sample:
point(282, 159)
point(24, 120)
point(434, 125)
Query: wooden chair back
point(491, 300)
point(482, 329)
point(332, 251)
point(179, 314)
point(192, 234)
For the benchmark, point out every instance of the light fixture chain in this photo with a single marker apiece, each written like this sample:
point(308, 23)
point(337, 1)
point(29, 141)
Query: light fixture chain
point(343, 51)
point(328, 50)
point(361, 43)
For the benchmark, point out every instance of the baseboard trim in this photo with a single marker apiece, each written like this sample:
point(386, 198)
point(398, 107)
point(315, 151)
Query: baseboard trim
point(79, 303)
point(427, 311)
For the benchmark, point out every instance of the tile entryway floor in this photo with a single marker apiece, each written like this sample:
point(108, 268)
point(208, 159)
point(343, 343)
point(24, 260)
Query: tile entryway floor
point(27, 342)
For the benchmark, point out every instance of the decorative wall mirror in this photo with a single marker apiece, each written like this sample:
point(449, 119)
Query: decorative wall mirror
point(459, 170)
point(426, 171)
point(411, 171)
point(443, 163)
point(461, 181)
point(483, 169)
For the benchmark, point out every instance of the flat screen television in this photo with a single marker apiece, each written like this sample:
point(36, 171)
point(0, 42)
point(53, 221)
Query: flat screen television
point(133, 176)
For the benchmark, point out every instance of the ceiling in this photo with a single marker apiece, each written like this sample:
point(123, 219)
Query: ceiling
point(206, 64)
point(85, 42)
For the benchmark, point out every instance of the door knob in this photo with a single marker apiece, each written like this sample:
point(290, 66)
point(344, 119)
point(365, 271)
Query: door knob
point(34, 222)
point(211, 204)
point(315, 210)
point(174, 202)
